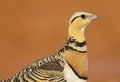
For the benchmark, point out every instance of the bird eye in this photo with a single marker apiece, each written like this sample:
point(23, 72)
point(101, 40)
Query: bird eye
point(83, 16)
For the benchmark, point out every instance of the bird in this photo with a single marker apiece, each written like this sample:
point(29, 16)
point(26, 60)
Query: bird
point(69, 64)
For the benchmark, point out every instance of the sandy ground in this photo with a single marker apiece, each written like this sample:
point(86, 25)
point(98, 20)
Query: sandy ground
point(33, 29)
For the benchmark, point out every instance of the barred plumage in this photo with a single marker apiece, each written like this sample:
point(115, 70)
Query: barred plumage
point(47, 69)
point(67, 65)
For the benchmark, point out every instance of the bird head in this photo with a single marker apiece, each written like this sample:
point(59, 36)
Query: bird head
point(80, 20)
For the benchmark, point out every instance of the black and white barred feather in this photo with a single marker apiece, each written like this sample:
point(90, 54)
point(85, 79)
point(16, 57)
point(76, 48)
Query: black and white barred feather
point(49, 69)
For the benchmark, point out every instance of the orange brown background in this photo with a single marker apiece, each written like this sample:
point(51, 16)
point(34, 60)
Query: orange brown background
point(33, 29)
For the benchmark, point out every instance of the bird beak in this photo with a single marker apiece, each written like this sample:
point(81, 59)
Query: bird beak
point(93, 17)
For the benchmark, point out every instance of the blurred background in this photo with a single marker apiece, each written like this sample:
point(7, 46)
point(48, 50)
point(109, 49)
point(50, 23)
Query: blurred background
point(33, 29)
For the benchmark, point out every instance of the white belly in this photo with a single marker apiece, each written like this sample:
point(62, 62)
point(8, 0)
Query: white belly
point(71, 76)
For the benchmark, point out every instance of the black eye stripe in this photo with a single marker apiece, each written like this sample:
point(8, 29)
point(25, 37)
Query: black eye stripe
point(74, 18)
point(82, 16)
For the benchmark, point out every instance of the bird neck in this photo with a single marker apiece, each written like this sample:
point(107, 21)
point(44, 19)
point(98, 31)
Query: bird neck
point(76, 31)
point(76, 34)
point(76, 39)
point(75, 52)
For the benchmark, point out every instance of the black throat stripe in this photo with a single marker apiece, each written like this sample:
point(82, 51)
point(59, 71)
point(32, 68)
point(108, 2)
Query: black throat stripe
point(76, 44)
point(85, 78)
point(69, 47)
point(80, 44)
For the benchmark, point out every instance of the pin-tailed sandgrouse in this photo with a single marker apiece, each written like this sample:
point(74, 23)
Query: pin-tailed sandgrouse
point(70, 64)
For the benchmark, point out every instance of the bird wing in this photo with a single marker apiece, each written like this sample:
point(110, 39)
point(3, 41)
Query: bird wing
point(48, 69)
point(49, 76)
